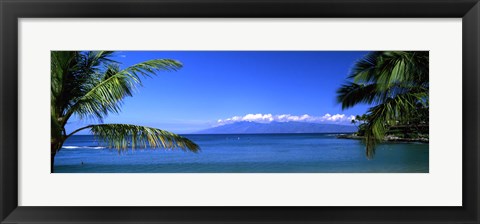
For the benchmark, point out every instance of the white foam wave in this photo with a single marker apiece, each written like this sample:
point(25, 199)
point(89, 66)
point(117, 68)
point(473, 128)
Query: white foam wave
point(83, 147)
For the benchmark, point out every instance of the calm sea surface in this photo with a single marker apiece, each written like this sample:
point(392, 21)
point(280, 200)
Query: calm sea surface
point(256, 153)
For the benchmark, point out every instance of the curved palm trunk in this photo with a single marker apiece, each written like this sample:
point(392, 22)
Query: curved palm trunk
point(52, 162)
point(55, 146)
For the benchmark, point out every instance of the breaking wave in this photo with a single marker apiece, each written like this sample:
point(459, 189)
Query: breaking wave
point(83, 147)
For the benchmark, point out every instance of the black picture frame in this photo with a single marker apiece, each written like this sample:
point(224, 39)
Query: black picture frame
point(12, 10)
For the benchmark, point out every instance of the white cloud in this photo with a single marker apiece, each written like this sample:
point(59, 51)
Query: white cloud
point(267, 118)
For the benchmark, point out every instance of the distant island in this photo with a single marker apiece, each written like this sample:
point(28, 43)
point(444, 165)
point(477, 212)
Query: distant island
point(247, 127)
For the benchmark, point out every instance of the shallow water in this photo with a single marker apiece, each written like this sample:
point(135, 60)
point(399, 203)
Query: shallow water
point(255, 153)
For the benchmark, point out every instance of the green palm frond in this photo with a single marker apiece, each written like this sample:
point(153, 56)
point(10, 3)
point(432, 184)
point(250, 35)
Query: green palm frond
point(60, 66)
point(73, 73)
point(395, 82)
point(124, 136)
point(114, 85)
point(364, 69)
point(351, 94)
point(387, 114)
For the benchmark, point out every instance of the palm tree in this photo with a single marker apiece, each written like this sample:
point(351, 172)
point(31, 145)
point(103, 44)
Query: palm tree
point(90, 85)
point(395, 82)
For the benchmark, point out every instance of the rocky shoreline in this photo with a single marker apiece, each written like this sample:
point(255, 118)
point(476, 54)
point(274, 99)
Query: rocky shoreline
point(388, 138)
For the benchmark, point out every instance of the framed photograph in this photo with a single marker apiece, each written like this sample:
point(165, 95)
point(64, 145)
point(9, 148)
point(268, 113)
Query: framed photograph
point(246, 112)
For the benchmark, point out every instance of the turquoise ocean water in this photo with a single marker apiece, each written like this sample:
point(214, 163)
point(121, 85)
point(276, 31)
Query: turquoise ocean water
point(246, 153)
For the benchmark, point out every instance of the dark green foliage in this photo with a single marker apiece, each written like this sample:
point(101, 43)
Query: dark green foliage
point(396, 83)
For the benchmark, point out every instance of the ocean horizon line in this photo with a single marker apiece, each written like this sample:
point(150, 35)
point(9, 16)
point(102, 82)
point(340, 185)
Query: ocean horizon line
point(247, 133)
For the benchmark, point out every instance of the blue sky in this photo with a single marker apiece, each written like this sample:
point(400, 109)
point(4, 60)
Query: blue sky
point(229, 86)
